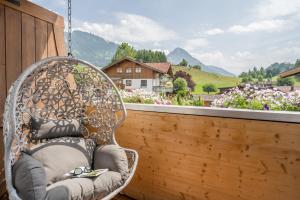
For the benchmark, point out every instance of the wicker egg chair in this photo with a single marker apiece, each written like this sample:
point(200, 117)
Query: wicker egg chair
point(63, 88)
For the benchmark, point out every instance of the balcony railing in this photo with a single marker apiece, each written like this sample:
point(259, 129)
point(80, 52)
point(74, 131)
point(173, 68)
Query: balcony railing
point(208, 153)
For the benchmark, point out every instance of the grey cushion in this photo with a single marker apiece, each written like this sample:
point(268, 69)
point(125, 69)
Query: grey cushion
point(78, 188)
point(107, 183)
point(112, 157)
point(29, 178)
point(60, 156)
point(58, 193)
point(54, 129)
point(85, 188)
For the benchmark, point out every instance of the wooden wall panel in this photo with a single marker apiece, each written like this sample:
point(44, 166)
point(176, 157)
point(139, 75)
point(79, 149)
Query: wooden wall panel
point(198, 157)
point(26, 36)
point(60, 40)
point(41, 32)
point(13, 45)
point(52, 51)
point(2, 64)
point(28, 40)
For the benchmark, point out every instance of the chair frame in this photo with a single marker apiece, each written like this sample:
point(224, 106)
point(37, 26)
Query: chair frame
point(11, 124)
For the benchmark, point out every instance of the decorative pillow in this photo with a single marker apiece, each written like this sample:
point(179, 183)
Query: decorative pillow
point(61, 155)
point(112, 157)
point(54, 128)
point(29, 178)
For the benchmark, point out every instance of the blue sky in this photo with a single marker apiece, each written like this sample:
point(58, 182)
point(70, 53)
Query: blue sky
point(233, 34)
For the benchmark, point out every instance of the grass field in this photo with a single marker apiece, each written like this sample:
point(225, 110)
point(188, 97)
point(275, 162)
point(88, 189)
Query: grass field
point(201, 78)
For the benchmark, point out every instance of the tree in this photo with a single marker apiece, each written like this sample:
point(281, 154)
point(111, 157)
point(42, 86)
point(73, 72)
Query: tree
point(209, 87)
point(180, 87)
point(124, 50)
point(182, 74)
point(260, 78)
point(285, 81)
point(183, 63)
point(144, 55)
point(297, 63)
point(197, 67)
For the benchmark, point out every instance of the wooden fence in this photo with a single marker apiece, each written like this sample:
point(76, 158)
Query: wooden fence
point(201, 157)
point(28, 33)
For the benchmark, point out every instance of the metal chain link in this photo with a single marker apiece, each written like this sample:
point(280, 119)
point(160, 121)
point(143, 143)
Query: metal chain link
point(69, 29)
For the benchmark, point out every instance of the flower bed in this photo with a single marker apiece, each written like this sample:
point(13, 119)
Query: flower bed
point(254, 98)
point(142, 96)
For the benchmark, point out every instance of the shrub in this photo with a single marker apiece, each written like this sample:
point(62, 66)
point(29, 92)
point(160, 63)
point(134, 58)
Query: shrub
point(182, 74)
point(285, 81)
point(180, 87)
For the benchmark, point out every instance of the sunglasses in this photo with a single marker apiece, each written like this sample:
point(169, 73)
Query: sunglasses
point(81, 170)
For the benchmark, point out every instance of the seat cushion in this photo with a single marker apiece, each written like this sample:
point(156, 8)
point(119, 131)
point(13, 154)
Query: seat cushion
point(60, 156)
point(112, 157)
point(85, 188)
point(54, 129)
point(29, 178)
point(107, 183)
point(78, 188)
point(58, 193)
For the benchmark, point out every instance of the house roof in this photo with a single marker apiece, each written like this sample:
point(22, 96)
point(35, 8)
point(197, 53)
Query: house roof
point(290, 72)
point(159, 67)
point(163, 67)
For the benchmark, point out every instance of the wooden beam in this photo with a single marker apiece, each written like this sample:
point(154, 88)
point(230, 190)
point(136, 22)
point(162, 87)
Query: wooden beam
point(290, 72)
point(13, 45)
point(36, 11)
point(28, 40)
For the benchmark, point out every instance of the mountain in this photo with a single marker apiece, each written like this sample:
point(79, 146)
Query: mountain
point(92, 48)
point(178, 54)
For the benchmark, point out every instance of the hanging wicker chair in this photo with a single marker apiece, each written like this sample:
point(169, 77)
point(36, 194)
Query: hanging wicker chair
point(62, 88)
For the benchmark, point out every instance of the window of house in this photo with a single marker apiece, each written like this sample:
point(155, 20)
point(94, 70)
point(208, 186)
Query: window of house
point(138, 70)
point(119, 70)
point(143, 83)
point(128, 82)
point(128, 70)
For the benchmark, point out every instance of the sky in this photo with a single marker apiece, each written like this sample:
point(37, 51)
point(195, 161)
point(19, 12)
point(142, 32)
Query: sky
point(233, 34)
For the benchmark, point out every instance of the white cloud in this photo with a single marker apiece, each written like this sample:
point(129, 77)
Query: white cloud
point(166, 51)
point(269, 9)
point(196, 43)
point(214, 31)
point(241, 61)
point(129, 28)
point(263, 25)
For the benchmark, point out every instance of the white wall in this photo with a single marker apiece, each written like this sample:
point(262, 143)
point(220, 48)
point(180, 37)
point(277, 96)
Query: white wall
point(136, 84)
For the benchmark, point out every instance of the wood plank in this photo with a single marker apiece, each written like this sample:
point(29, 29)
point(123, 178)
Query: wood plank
point(36, 11)
point(13, 45)
point(60, 40)
point(52, 50)
point(28, 40)
point(41, 31)
point(2, 63)
point(199, 157)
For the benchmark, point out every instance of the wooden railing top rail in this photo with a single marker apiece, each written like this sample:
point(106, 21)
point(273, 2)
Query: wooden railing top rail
point(281, 116)
point(36, 11)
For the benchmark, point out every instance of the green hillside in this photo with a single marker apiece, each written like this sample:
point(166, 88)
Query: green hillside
point(201, 78)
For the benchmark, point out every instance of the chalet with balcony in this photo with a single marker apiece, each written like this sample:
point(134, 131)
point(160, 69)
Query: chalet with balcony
point(130, 74)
